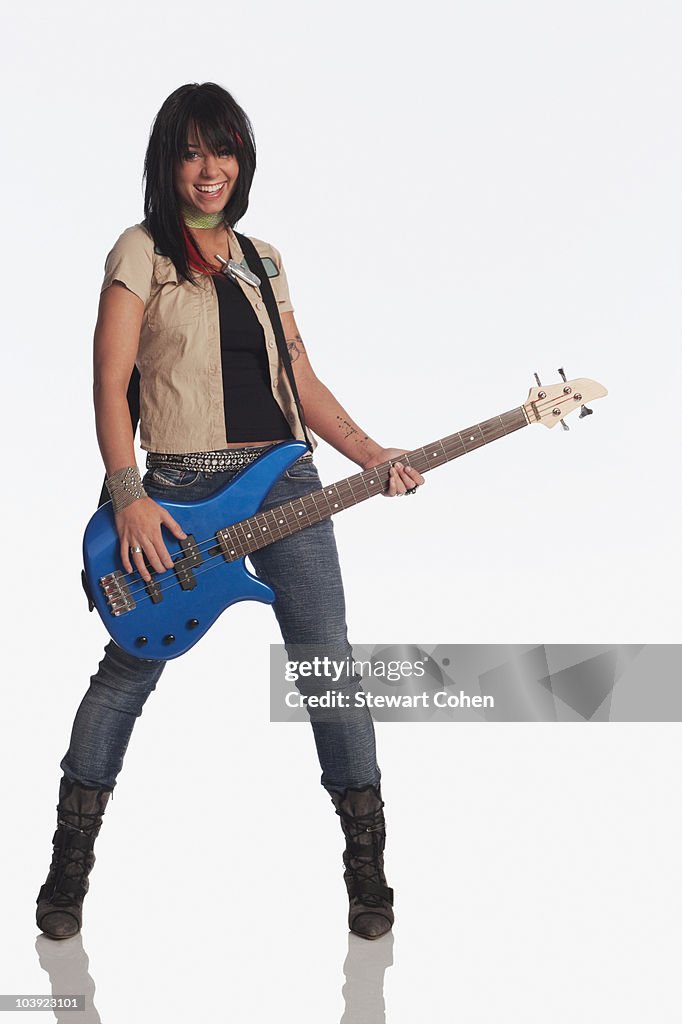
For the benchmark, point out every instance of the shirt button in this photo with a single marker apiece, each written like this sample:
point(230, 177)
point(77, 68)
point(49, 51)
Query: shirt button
point(259, 305)
point(274, 382)
point(271, 344)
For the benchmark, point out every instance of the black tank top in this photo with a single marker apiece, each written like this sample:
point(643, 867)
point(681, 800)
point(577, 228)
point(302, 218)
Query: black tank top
point(251, 412)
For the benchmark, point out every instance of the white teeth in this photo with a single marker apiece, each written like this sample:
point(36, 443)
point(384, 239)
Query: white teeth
point(210, 188)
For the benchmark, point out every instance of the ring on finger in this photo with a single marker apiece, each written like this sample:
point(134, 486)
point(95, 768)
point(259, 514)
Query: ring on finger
point(137, 550)
point(411, 490)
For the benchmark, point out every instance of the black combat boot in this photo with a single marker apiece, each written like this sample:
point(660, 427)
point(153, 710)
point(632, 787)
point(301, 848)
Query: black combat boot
point(371, 900)
point(79, 819)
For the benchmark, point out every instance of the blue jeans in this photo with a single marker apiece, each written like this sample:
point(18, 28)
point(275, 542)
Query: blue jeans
point(303, 570)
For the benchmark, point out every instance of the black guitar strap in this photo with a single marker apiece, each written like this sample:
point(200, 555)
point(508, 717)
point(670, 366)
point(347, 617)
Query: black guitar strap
point(256, 266)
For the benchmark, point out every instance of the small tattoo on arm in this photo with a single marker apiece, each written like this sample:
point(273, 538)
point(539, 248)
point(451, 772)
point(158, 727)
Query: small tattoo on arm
point(296, 347)
point(349, 430)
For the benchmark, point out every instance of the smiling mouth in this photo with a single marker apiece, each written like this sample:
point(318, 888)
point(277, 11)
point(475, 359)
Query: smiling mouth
point(211, 190)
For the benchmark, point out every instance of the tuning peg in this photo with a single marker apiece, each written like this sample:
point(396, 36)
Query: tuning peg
point(561, 373)
point(537, 380)
point(584, 411)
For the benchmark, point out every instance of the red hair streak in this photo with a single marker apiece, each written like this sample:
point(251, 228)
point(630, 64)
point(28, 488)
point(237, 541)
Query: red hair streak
point(194, 257)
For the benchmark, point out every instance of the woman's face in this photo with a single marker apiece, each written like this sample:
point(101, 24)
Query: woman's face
point(204, 180)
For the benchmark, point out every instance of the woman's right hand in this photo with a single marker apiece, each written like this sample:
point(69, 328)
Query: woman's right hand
point(139, 525)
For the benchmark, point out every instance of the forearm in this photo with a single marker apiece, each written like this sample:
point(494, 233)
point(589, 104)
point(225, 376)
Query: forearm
point(327, 418)
point(114, 429)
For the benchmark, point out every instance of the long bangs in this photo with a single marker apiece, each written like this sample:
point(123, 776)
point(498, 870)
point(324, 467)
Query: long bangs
point(214, 129)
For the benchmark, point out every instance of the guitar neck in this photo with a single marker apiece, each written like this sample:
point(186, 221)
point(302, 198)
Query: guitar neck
point(265, 528)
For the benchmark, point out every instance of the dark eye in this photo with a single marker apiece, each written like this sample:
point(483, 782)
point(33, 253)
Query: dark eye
point(189, 154)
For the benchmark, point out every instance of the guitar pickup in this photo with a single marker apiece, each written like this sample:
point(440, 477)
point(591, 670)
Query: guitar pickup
point(117, 593)
point(154, 591)
point(184, 566)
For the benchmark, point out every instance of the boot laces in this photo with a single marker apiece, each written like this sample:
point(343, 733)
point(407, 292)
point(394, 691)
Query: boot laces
point(364, 863)
point(73, 859)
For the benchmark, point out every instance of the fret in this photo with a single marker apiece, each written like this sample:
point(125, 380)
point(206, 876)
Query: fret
point(274, 524)
point(282, 524)
point(299, 513)
point(501, 423)
point(241, 530)
point(334, 498)
point(513, 420)
point(346, 493)
point(434, 455)
point(377, 476)
point(492, 429)
point(453, 447)
point(472, 438)
point(311, 509)
point(236, 547)
point(319, 514)
point(230, 544)
point(357, 490)
point(266, 526)
point(251, 529)
point(420, 460)
point(291, 523)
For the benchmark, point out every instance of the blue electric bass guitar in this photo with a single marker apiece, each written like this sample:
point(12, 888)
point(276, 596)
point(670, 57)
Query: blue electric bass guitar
point(165, 617)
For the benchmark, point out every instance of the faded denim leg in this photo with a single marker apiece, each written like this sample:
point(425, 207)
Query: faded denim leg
point(106, 716)
point(304, 572)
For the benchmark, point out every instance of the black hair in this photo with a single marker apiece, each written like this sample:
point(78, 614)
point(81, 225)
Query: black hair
point(222, 125)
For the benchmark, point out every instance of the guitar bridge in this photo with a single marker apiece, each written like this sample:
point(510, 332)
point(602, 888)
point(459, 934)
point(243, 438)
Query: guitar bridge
point(117, 593)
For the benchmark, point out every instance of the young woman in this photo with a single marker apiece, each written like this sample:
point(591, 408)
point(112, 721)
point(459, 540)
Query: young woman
point(213, 395)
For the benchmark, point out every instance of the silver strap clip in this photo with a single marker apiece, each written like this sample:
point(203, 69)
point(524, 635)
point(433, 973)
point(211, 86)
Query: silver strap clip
point(236, 270)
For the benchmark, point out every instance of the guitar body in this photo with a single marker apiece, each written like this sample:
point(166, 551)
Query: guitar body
point(165, 622)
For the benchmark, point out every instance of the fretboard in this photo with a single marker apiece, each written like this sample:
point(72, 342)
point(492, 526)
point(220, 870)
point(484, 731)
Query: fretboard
point(265, 528)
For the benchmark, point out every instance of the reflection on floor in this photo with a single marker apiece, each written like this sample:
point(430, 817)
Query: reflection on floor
point(363, 990)
point(67, 964)
point(68, 967)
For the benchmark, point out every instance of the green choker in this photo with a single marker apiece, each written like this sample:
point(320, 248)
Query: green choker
point(194, 218)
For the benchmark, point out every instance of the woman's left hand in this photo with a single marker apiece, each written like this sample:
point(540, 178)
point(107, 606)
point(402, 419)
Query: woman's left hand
point(401, 477)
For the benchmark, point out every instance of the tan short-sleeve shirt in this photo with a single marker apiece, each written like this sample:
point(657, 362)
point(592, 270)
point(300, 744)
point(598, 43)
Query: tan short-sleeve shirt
point(181, 384)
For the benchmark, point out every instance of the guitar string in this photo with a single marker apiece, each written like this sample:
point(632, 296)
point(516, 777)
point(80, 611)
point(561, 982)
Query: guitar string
point(455, 448)
point(454, 443)
point(452, 439)
point(287, 509)
point(138, 587)
point(290, 518)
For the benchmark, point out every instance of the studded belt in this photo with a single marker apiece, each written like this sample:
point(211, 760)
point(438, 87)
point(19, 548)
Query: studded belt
point(226, 460)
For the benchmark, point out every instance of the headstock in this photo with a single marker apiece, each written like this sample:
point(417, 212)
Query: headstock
point(551, 404)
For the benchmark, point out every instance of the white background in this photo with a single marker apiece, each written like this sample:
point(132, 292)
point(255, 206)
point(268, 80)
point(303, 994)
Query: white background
point(462, 195)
